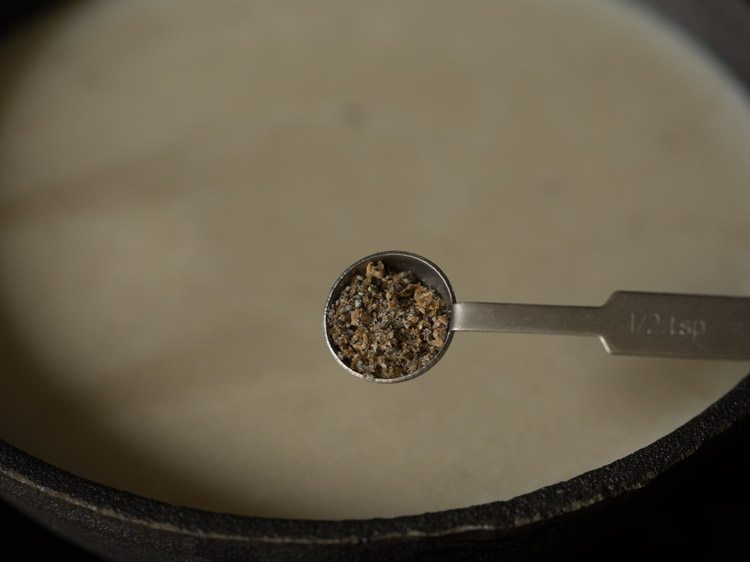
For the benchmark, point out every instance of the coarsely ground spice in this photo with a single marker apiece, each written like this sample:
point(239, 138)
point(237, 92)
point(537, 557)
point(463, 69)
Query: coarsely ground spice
point(387, 324)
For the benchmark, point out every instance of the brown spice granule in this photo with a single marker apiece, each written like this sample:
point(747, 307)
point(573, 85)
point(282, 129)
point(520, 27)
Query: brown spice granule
point(387, 324)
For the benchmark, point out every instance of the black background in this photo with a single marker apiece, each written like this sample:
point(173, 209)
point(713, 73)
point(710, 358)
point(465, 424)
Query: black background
point(698, 512)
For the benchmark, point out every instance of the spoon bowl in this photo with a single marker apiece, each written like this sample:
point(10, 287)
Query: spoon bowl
point(426, 271)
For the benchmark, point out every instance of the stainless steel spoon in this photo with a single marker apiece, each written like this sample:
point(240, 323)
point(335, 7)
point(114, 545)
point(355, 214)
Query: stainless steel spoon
point(629, 323)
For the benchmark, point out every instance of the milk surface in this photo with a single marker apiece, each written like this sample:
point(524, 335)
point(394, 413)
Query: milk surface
point(181, 183)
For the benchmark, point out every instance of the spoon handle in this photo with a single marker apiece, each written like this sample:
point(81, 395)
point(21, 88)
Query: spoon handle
point(629, 323)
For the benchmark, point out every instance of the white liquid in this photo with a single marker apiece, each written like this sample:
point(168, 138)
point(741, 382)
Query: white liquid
point(182, 183)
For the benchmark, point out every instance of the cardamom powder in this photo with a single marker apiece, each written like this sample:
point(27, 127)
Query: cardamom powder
point(387, 324)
